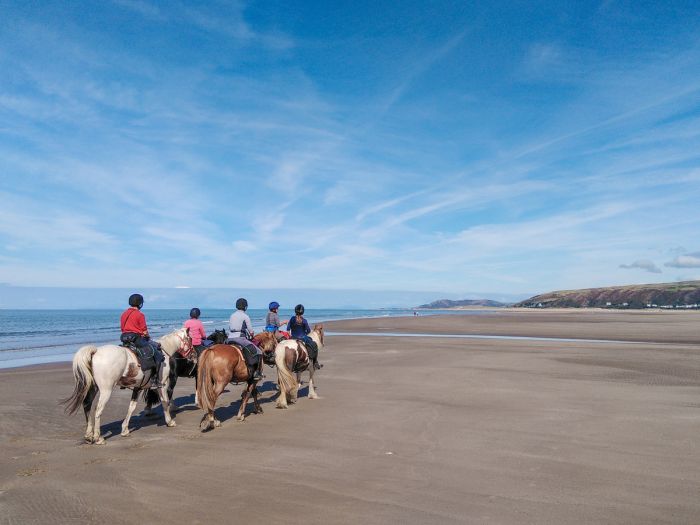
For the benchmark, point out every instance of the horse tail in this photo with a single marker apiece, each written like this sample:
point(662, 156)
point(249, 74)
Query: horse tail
point(84, 380)
point(205, 384)
point(151, 398)
point(285, 378)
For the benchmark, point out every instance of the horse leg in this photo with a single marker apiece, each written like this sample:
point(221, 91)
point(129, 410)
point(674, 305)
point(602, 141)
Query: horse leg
point(256, 401)
point(294, 393)
point(129, 412)
point(105, 394)
point(312, 390)
point(172, 377)
point(244, 402)
point(88, 409)
point(165, 401)
point(282, 398)
point(196, 395)
point(220, 387)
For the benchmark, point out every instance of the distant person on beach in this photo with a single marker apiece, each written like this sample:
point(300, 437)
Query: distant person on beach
point(241, 334)
point(197, 332)
point(272, 320)
point(135, 332)
point(299, 328)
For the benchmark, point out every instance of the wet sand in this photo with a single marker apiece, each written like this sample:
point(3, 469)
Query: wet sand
point(407, 430)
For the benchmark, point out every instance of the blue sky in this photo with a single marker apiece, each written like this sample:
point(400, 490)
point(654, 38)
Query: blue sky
point(465, 148)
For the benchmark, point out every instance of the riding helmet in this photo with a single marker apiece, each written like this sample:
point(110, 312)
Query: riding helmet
point(299, 309)
point(241, 304)
point(195, 313)
point(274, 305)
point(136, 300)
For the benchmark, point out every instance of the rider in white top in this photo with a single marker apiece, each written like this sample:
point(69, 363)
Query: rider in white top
point(242, 333)
point(240, 325)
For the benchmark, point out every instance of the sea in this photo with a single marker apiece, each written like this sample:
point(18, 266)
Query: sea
point(30, 337)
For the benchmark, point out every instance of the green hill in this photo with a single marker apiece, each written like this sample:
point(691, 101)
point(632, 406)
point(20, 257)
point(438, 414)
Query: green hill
point(663, 295)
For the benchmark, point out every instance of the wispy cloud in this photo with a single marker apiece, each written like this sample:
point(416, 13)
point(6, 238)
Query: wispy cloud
point(689, 260)
point(642, 264)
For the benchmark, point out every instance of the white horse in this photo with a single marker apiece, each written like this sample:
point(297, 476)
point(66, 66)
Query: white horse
point(292, 357)
point(100, 369)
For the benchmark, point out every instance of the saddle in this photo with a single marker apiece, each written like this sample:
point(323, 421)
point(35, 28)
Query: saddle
point(249, 351)
point(146, 359)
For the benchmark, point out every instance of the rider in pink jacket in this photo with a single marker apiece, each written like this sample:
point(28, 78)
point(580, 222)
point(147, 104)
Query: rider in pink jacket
point(197, 332)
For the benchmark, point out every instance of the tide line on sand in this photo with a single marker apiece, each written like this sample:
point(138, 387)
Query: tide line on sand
point(480, 336)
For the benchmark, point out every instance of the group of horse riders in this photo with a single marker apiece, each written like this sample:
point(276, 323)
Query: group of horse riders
point(135, 334)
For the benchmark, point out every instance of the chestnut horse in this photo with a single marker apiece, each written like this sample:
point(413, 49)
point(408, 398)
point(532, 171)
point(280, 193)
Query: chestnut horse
point(292, 357)
point(222, 364)
point(182, 367)
point(97, 370)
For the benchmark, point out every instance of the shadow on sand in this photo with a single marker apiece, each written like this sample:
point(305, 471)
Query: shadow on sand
point(142, 420)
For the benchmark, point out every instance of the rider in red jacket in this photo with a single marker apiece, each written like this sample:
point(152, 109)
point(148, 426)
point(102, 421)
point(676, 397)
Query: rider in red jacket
point(135, 332)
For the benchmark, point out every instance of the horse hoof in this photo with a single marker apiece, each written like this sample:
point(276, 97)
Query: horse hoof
point(282, 406)
point(99, 441)
point(217, 423)
point(171, 423)
point(88, 439)
point(125, 432)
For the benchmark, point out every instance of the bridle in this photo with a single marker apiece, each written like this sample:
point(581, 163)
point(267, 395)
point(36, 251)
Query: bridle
point(185, 344)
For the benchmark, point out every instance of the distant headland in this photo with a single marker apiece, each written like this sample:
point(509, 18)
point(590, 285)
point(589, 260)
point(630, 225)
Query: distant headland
point(464, 303)
point(684, 294)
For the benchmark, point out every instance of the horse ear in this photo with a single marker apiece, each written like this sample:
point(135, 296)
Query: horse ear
point(187, 330)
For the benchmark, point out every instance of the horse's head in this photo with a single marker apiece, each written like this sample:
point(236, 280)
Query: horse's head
point(219, 337)
point(177, 341)
point(317, 335)
point(266, 341)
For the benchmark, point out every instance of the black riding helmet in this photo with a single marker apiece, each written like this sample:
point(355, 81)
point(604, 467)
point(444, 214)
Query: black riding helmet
point(241, 304)
point(299, 309)
point(136, 300)
point(195, 313)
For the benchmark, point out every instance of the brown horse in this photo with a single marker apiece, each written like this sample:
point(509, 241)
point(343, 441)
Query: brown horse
point(266, 341)
point(292, 357)
point(222, 364)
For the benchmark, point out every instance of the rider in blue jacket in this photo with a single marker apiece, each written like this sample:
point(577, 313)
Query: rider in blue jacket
point(299, 329)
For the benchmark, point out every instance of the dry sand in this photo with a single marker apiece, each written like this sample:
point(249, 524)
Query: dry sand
point(407, 430)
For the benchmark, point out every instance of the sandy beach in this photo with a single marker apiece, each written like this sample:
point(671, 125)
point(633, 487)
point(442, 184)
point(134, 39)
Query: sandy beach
point(411, 430)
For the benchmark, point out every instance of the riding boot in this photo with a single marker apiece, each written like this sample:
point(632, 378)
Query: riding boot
point(155, 384)
point(257, 371)
point(317, 365)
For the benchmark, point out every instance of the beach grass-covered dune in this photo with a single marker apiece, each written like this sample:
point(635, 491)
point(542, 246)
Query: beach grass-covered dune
point(416, 430)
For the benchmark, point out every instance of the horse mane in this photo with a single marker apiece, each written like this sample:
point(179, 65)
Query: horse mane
point(166, 340)
point(264, 338)
point(318, 328)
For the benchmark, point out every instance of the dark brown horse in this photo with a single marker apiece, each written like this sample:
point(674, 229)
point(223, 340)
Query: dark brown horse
point(220, 365)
